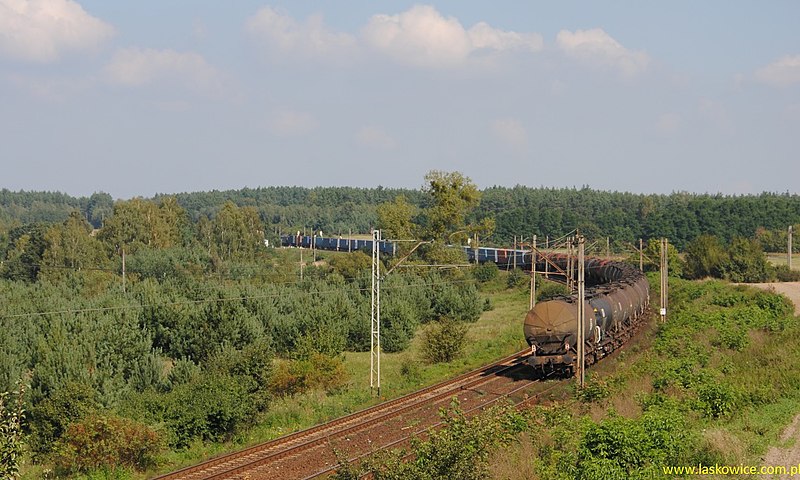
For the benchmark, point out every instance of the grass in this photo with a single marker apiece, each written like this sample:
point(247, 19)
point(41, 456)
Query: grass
point(778, 259)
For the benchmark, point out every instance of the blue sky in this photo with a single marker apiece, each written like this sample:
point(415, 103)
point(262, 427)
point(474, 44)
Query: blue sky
point(137, 98)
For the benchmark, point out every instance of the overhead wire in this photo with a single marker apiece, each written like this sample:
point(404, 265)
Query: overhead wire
point(242, 298)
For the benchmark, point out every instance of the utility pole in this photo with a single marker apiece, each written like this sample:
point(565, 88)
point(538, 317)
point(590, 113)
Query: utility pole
point(569, 263)
point(533, 272)
point(664, 277)
point(789, 252)
point(581, 314)
point(547, 264)
point(375, 338)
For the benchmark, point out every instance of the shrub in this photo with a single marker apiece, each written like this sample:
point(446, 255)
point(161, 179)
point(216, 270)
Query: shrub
point(517, 278)
point(182, 371)
point(459, 302)
point(715, 399)
point(317, 371)
point(593, 390)
point(747, 262)
point(211, 409)
point(635, 446)
point(12, 415)
point(460, 450)
point(485, 272)
point(444, 340)
point(547, 289)
point(783, 274)
point(410, 369)
point(106, 441)
point(352, 266)
point(50, 417)
point(733, 336)
point(397, 326)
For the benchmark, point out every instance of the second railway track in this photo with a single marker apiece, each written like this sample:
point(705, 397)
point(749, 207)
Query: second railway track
point(309, 453)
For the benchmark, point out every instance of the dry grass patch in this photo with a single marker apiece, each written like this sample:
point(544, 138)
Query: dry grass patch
point(516, 463)
point(723, 444)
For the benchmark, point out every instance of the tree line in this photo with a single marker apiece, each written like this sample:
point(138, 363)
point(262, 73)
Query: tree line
point(519, 210)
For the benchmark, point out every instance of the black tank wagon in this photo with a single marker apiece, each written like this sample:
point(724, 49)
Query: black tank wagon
point(617, 296)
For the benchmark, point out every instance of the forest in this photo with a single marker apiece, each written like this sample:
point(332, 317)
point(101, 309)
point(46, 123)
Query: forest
point(520, 210)
point(158, 323)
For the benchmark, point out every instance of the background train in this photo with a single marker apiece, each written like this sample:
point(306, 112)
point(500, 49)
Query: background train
point(616, 298)
point(337, 244)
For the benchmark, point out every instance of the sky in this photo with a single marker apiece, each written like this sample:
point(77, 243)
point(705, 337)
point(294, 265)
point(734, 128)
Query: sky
point(146, 97)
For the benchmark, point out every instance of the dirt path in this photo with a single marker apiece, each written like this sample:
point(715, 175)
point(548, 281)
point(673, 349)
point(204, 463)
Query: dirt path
point(790, 455)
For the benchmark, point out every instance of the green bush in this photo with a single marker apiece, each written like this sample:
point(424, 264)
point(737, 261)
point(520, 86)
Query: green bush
point(594, 389)
point(733, 336)
point(410, 368)
point(183, 371)
point(485, 272)
point(715, 399)
point(398, 325)
point(459, 451)
point(318, 371)
point(459, 302)
point(49, 418)
point(106, 442)
point(783, 274)
point(639, 447)
point(548, 289)
point(209, 409)
point(444, 340)
point(352, 266)
point(517, 278)
point(12, 415)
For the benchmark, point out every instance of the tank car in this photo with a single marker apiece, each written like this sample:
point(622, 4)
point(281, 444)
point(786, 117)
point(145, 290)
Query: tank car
point(615, 301)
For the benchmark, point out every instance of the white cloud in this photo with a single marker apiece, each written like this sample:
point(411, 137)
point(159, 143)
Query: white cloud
point(280, 32)
point(781, 73)
point(511, 133)
point(134, 67)
point(597, 47)
point(288, 123)
point(375, 137)
point(42, 30)
point(421, 36)
point(484, 36)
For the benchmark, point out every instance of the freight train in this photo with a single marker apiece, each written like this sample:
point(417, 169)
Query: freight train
point(337, 244)
point(617, 296)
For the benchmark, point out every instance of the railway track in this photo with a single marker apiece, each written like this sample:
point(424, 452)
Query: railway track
point(310, 453)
